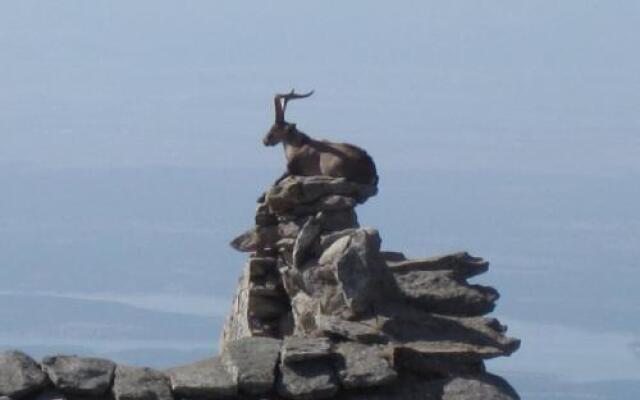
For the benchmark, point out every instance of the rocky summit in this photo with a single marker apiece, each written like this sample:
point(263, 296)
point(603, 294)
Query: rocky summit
point(321, 311)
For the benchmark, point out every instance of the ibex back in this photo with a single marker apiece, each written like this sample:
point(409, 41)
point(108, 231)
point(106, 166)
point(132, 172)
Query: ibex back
point(307, 156)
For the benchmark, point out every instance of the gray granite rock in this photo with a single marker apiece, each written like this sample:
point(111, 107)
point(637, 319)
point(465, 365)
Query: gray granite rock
point(20, 375)
point(252, 362)
point(246, 242)
point(444, 292)
point(316, 273)
point(462, 264)
point(472, 387)
point(296, 349)
point(291, 228)
point(332, 221)
point(358, 268)
point(261, 266)
point(264, 216)
point(307, 380)
point(79, 375)
point(135, 383)
point(327, 239)
point(263, 304)
point(303, 190)
point(407, 387)
point(362, 366)
point(360, 331)
point(238, 324)
point(329, 203)
point(348, 276)
point(304, 240)
point(206, 379)
point(422, 339)
point(304, 309)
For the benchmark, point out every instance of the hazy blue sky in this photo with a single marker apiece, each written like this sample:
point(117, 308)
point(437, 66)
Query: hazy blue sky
point(130, 154)
point(527, 85)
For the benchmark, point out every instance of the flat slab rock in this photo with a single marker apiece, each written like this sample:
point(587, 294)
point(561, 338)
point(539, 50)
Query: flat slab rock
point(298, 190)
point(462, 263)
point(444, 292)
point(81, 376)
point(297, 349)
point(134, 383)
point(474, 337)
point(20, 375)
point(350, 330)
point(252, 362)
point(203, 379)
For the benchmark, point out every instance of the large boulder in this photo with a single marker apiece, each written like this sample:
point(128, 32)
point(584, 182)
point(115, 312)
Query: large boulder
point(252, 362)
point(345, 281)
point(79, 375)
point(20, 375)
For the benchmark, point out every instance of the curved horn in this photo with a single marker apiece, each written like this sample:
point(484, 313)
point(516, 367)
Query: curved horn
point(279, 110)
point(292, 95)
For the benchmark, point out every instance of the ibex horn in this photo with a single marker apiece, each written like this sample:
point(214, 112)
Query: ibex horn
point(279, 111)
point(281, 108)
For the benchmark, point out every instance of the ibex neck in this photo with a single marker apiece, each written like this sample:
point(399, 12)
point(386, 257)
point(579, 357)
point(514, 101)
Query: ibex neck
point(296, 139)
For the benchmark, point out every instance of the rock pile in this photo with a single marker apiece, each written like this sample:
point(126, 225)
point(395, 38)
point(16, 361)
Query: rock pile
point(352, 318)
point(320, 312)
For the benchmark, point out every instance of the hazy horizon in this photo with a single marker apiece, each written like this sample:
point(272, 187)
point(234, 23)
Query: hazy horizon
point(131, 154)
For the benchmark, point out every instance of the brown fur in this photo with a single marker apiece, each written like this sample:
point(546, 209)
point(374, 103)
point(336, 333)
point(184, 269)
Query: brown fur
point(307, 156)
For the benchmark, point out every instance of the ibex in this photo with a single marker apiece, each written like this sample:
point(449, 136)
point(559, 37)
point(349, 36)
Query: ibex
point(307, 156)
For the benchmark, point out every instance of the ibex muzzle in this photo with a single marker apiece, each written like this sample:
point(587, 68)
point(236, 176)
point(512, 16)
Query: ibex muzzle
point(307, 156)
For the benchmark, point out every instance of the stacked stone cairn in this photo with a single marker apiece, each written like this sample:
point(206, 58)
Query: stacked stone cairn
point(320, 312)
point(344, 319)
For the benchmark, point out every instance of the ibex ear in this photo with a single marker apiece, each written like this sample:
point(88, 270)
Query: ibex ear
point(291, 127)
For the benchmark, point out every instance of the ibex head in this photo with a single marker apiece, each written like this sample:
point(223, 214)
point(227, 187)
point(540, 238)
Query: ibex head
point(282, 129)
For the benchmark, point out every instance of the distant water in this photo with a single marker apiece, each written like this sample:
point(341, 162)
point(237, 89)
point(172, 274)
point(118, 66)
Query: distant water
point(200, 305)
point(570, 354)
